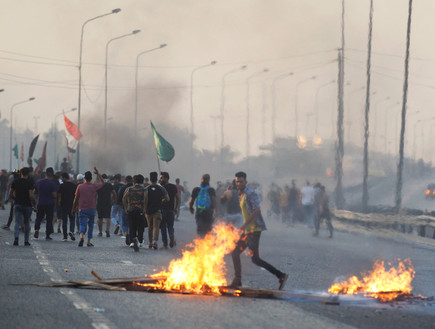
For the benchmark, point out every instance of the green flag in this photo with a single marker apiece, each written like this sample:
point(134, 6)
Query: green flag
point(15, 149)
point(164, 149)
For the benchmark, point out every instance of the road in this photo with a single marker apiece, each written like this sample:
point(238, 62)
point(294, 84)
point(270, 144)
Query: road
point(313, 265)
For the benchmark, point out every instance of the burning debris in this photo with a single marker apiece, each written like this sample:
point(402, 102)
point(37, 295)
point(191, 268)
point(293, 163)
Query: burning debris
point(384, 285)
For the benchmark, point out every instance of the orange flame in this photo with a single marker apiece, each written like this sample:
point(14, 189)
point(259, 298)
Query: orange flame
point(379, 283)
point(201, 269)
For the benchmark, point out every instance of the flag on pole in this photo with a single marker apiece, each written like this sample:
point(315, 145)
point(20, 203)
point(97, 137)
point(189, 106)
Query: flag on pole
point(22, 152)
point(31, 150)
point(41, 163)
point(165, 150)
point(72, 135)
point(15, 149)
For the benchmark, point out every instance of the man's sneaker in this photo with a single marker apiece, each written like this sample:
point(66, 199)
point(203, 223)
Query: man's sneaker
point(116, 230)
point(131, 245)
point(155, 246)
point(141, 245)
point(136, 244)
point(81, 242)
point(107, 234)
point(48, 238)
point(26, 243)
point(71, 235)
point(127, 239)
point(100, 234)
point(65, 238)
point(172, 242)
point(164, 247)
point(16, 242)
point(282, 280)
point(5, 227)
point(235, 283)
point(36, 234)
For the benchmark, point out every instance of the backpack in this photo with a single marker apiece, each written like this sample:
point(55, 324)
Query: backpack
point(203, 200)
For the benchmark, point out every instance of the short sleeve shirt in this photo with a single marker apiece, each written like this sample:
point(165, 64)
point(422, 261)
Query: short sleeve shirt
point(86, 193)
point(44, 189)
point(21, 187)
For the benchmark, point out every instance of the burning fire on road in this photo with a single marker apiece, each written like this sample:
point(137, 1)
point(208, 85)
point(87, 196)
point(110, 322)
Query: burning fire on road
point(380, 283)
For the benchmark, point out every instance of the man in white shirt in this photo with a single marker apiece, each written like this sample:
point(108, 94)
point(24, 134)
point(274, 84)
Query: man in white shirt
point(308, 206)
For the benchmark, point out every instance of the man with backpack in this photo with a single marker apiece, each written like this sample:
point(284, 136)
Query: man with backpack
point(205, 198)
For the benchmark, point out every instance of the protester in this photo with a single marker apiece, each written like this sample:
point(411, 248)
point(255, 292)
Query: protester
point(204, 197)
point(169, 210)
point(322, 203)
point(85, 202)
point(14, 175)
point(106, 196)
point(134, 204)
point(65, 199)
point(231, 199)
point(46, 192)
point(180, 191)
point(308, 206)
point(154, 195)
point(293, 202)
point(124, 222)
point(117, 208)
point(21, 191)
point(253, 225)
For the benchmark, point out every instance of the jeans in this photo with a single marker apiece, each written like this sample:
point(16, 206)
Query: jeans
point(65, 214)
point(167, 225)
point(154, 226)
point(46, 210)
point(117, 212)
point(86, 217)
point(20, 213)
point(136, 222)
point(204, 221)
point(252, 241)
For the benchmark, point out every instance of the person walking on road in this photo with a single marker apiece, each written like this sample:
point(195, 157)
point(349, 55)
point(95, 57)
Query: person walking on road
point(106, 196)
point(65, 199)
point(46, 191)
point(117, 209)
point(180, 192)
point(169, 211)
point(308, 206)
point(21, 190)
point(204, 197)
point(253, 225)
point(85, 202)
point(154, 195)
point(134, 204)
point(322, 203)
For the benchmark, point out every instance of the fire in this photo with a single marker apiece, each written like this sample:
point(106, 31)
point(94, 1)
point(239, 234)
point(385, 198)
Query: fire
point(202, 268)
point(379, 283)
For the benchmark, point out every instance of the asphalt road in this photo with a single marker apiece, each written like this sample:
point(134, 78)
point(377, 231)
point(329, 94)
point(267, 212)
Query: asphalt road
point(313, 265)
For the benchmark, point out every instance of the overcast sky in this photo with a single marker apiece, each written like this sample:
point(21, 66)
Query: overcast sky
point(39, 53)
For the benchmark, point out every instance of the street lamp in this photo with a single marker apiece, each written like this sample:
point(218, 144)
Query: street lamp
point(241, 68)
point(10, 130)
point(55, 130)
point(137, 80)
point(114, 11)
point(296, 103)
point(279, 77)
point(316, 103)
point(247, 109)
point(105, 78)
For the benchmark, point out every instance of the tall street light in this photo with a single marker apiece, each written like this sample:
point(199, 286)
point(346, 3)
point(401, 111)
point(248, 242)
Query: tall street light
point(248, 110)
point(55, 130)
point(105, 78)
point(296, 103)
point(137, 83)
point(10, 130)
point(274, 81)
point(114, 11)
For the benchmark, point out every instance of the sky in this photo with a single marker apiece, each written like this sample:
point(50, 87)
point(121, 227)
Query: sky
point(39, 57)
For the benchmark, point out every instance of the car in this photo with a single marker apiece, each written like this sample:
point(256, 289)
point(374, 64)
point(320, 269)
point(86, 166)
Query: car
point(430, 191)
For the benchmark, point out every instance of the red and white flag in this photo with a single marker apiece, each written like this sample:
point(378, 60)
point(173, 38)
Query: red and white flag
point(72, 134)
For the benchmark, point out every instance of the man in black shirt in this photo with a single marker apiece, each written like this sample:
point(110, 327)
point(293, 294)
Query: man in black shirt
point(22, 191)
point(154, 195)
point(65, 199)
point(169, 210)
point(205, 198)
point(106, 196)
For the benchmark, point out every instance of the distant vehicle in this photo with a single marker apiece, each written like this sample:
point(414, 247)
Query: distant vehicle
point(430, 191)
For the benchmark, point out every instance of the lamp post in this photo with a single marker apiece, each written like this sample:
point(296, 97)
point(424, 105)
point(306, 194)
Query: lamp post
point(10, 129)
point(316, 104)
point(105, 78)
point(137, 83)
point(279, 77)
point(114, 11)
point(248, 110)
point(55, 130)
point(296, 103)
